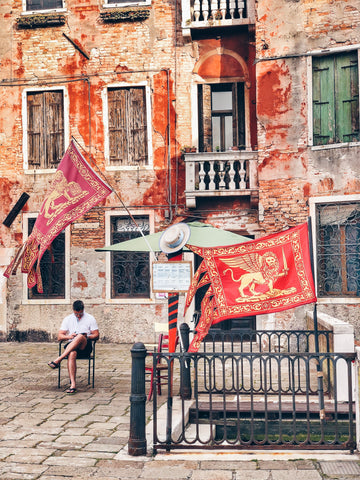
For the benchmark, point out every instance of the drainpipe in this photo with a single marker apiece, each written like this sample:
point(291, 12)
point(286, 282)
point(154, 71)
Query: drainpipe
point(169, 144)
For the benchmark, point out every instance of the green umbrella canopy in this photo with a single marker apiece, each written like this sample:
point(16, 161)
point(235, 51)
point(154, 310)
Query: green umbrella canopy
point(202, 235)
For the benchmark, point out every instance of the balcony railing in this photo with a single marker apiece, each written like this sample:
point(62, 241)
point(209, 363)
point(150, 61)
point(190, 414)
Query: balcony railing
point(216, 13)
point(220, 174)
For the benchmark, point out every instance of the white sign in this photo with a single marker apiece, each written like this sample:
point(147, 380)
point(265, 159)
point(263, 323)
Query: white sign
point(171, 276)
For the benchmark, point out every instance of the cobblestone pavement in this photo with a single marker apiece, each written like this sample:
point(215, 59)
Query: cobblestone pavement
point(49, 435)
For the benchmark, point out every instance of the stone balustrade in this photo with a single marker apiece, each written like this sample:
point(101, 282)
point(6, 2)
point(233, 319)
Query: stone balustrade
point(230, 173)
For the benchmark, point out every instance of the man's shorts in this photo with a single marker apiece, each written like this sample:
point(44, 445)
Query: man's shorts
point(83, 353)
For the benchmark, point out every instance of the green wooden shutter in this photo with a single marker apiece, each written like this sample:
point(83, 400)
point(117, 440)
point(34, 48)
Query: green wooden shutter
point(323, 101)
point(347, 97)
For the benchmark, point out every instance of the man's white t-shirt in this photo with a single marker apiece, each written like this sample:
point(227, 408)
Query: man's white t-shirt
point(86, 324)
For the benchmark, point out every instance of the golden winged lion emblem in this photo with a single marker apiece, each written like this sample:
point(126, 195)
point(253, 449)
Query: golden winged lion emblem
point(261, 270)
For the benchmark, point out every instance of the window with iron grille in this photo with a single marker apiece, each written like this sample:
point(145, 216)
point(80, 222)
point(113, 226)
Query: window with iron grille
point(127, 126)
point(52, 267)
point(335, 99)
point(43, 4)
point(221, 116)
point(338, 249)
point(130, 271)
point(45, 128)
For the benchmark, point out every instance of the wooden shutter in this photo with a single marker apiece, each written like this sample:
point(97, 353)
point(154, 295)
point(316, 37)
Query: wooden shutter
point(137, 124)
point(347, 97)
point(127, 126)
point(117, 126)
point(45, 112)
point(54, 121)
point(35, 108)
point(238, 115)
point(204, 108)
point(323, 101)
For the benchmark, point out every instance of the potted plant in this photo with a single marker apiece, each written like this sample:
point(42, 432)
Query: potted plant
point(186, 149)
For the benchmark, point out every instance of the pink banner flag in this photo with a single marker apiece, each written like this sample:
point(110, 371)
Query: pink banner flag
point(267, 275)
point(76, 188)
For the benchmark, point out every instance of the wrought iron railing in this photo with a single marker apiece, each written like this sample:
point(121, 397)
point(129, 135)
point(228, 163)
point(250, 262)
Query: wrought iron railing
point(256, 400)
point(254, 389)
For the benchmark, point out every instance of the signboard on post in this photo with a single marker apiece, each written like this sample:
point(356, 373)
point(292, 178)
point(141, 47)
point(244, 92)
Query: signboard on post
point(171, 276)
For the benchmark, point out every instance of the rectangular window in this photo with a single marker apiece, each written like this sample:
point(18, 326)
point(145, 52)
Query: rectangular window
point(221, 116)
point(130, 271)
point(338, 249)
point(45, 128)
point(52, 266)
point(43, 4)
point(127, 126)
point(335, 99)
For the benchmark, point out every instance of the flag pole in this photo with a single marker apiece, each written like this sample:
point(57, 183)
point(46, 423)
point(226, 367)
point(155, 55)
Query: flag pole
point(320, 373)
point(118, 196)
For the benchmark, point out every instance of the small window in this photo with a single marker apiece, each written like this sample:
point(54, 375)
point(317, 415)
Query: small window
point(127, 126)
point(130, 271)
point(52, 266)
point(114, 2)
point(335, 99)
point(45, 128)
point(32, 5)
point(338, 249)
point(221, 116)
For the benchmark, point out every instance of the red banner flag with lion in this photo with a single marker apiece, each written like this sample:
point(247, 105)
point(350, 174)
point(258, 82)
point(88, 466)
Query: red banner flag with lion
point(76, 188)
point(267, 275)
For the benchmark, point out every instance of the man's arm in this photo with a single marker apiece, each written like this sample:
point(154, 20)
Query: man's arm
point(63, 335)
point(94, 335)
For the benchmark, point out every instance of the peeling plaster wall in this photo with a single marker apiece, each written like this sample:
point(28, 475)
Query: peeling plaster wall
point(290, 172)
point(119, 53)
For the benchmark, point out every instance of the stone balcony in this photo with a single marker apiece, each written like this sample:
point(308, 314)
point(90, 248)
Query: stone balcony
point(221, 174)
point(216, 13)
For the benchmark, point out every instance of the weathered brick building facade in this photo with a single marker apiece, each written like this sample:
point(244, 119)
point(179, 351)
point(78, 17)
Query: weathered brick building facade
point(266, 92)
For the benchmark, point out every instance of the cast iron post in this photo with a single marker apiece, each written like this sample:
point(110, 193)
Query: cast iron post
point(185, 377)
point(137, 439)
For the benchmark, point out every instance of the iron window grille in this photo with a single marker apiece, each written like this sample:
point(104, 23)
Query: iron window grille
point(130, 271)
point(52, 267)
point(338, 249)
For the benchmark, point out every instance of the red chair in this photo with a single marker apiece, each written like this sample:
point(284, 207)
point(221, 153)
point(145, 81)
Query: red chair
point(162, 367)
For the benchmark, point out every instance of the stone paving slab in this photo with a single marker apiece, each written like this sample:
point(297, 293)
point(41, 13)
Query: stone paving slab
point(48, 435)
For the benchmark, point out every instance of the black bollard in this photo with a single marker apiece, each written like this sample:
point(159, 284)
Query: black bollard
point(185, 376)
point(137, 439)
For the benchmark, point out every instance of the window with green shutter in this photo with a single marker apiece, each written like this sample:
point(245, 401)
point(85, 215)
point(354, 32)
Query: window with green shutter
point(335, 99)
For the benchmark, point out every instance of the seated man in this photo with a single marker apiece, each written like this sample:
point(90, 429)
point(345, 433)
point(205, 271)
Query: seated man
point(79, 328)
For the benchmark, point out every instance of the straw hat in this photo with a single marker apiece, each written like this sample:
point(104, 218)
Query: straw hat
point(174, 238)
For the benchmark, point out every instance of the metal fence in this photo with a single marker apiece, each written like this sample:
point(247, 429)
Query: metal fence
point(242, 398)
point(256, 400)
